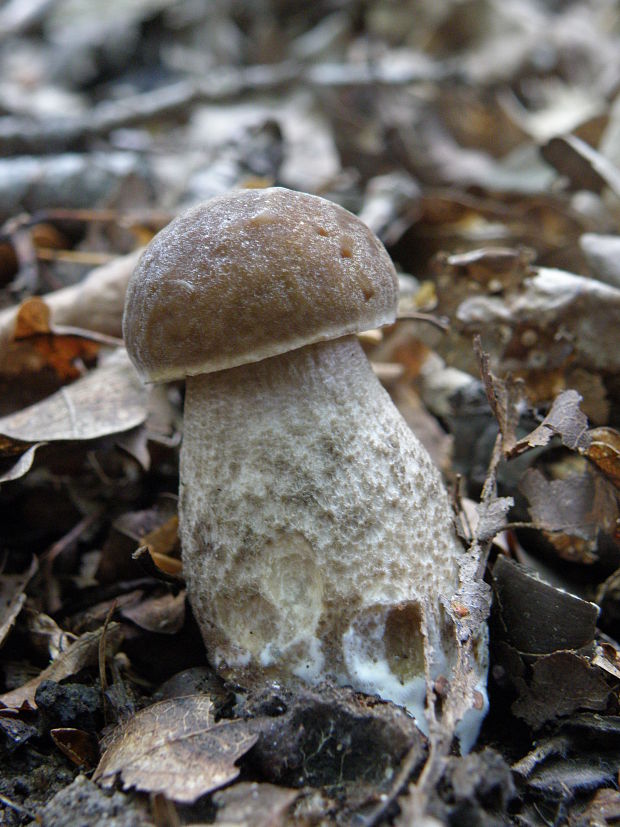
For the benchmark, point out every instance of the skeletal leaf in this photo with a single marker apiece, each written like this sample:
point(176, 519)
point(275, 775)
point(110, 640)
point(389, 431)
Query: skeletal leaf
point(176, 748)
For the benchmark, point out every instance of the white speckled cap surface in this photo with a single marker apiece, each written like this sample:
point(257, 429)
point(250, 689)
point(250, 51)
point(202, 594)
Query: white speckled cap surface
point(253, 274)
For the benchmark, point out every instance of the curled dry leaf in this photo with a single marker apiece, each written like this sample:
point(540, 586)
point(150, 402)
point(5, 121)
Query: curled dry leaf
point(110, 399)
point(83, 652)
point(176, 748)
point(564, 420)
point(153, 529)
point(95, 304)
point(18, 469)
point(80, 747)
point(560, 683)
point(538, 618)
point(261, 805)
point(13, 597)
point(604, 452)
point(571, 511)
point(163, 613)
point(36, 344)
point(585, 168)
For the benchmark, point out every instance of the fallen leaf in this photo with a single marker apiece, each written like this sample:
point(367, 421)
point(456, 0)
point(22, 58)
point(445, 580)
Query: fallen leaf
point(13, 597)
point(83, 652)
point(261, 805)
point(79, 746)
point(95, 303)
point(132, 531)
point(492, 517)
point(108, 400)
point(36, 345)
point(21, 467)
point(575, 509)
point(538, 618)
point(603, 809)
point(586, 168)
point(604, 452)
point(565, 420)
point(163, 614)
point(560, 683)
point(504, 397)
point(176, 748)
point(574, 774)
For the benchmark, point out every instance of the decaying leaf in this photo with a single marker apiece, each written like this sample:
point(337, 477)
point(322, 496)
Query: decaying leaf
point(94, 304)
point(18, 469)
point(571, 511)
point(538, 618)
point(83, 652)
point(154, 529)
point(35, 345)
point(603, 808)
point(261, 805)
point(108, 400)
point(560, 683)
point(13, 597)
point(163, 614)
point(574, 774)
point(585, 167)
point(163, 545)
point(80, 747)
point(564, 420)
point(175, 747)
point(604, 452)
point(492, 517)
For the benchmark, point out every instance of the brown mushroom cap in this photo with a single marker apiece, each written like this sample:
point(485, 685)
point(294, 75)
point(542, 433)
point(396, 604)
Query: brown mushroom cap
point(252, 274)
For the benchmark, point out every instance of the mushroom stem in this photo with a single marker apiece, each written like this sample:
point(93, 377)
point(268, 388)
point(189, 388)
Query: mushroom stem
point(316, 533)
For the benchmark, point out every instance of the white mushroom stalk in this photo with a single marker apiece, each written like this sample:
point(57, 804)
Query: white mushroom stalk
point(317, 536)
point(303, 495)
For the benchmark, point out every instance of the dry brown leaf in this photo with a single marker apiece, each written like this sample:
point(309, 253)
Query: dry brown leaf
point(561, 683)
point(604, 452)
point(579, 507)
point(17, 469)
point(96, 303)
point(13, 597)
point(110, 399)
point(586, 168)
point(79, 746)
point(565, 420)
point(176, 748)
point(504, 395)
point(163, 614)
point(84, 652)
point(118, 560)
point(261, 805)
point(163, 539)
point(36, 345)
point(535, 617)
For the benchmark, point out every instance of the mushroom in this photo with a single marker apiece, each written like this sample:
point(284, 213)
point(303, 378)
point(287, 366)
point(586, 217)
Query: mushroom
point(317, 536)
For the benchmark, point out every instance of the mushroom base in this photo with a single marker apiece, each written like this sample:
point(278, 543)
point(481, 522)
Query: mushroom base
point(317, 535)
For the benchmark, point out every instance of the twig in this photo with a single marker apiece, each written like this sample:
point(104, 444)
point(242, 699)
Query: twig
point(440, 322)
point(101, 656)
point(17, 807)
point(23, 136)
point(402, 777)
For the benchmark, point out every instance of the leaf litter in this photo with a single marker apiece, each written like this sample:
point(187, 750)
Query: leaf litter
point(480, 141)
